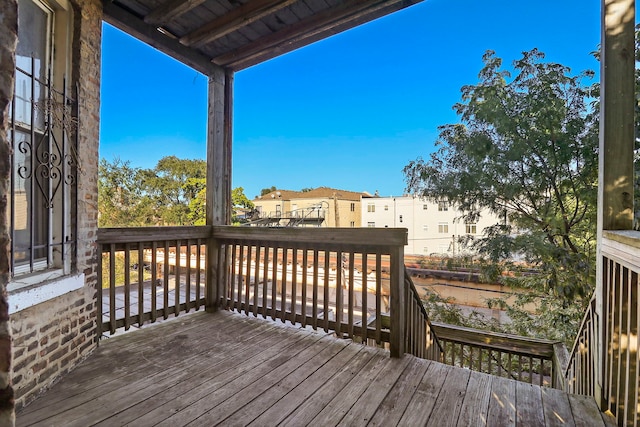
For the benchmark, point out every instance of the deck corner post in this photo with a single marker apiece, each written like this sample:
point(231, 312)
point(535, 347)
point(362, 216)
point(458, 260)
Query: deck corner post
point(218, 195)
point(397, 303)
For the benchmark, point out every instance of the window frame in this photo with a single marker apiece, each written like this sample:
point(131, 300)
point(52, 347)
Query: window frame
point(45, 139)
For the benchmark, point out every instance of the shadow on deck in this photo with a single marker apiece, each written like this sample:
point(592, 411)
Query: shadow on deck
point(230, 369)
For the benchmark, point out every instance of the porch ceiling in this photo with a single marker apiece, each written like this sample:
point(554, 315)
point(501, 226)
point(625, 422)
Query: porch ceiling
point(237, 34)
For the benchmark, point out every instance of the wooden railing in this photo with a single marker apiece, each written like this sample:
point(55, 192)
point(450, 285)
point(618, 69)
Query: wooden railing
point(148, 273)
point(420, 338)
point(604, 361)
point(620, 324)
point(345, 280)
point(524, 359)
point(580, 376)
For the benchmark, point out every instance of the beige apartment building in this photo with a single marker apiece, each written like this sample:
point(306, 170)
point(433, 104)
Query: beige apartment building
point(433, 227)
point(322, 206)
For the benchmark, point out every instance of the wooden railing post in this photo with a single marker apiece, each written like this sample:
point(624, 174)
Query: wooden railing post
point(397, 305)
point(218, 196)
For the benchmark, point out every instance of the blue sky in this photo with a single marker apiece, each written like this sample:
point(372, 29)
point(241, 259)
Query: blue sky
point(348, 112)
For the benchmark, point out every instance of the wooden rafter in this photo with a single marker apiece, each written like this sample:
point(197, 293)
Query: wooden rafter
point(314, 28)
point(235, 19)
point(171, 10)
point(129, 23)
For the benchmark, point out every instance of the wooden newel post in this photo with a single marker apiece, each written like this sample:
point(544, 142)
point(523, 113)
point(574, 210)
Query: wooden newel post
point(397, 305)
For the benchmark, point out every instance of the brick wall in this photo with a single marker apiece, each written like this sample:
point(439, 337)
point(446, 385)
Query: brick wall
point(8, 34)
point(52, 337)
point(48, 340)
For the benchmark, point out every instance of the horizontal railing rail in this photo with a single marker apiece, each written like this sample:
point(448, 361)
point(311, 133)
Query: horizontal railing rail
point(524, 359)
point(420, 337)
point(337, 279)
point(147, 273)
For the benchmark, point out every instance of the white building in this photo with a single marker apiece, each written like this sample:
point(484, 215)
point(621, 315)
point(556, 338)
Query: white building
point(433, 228)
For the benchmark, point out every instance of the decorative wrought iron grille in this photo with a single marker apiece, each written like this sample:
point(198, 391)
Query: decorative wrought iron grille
point(44, 167)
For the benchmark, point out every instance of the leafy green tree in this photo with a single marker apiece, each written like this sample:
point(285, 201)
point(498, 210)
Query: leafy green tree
point(241, 204)
point(526, 150)
point(120, 199)
point(172, 186)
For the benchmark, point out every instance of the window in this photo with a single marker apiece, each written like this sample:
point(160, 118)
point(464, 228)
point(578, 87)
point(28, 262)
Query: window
point(352, 224)
point(371, 207)
point(425, 207)
point(470, 228)
point(44, 165)
point(386, 207)
point(443, 227)
point(425, 228)
point(443, 205)
point(353, 207)
point(371, 224)
point(425, 250)
point(400, 218)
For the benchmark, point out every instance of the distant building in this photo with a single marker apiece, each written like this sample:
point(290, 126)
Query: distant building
point(433, 227)
point(320, 207)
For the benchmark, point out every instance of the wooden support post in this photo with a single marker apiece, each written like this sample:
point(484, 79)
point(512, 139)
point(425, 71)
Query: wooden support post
point(397, 305)
point(617, 131)
point(615, 180)
point(218, 204)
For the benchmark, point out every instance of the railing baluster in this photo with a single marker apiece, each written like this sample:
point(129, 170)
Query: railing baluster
point(265, 281)
point(127, 287)
point(274, 283)
point(140, 284)
point(154, 279)
point(256, 280)
point(351, 294)
point(240, 277)
point(166, 279)
point(247, 281)
point(99, 294)
point(325, 289)
point(378, 298)
point(314, 322)
point(338, 299)
point(198, 272)
point(294, 284)
point(365, 303)
point(283, 282)
point(112, 288)
point(187, 292)
point(178, 278)
point(305, 267)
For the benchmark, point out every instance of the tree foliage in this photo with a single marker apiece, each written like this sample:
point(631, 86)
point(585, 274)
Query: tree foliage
point(171, 193)
point(526, 150)
point(121, 200)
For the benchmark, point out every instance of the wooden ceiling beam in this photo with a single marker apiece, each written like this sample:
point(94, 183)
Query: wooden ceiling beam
point(170, 10)
point(317, 27)
point(239, 17)
point(136, 27)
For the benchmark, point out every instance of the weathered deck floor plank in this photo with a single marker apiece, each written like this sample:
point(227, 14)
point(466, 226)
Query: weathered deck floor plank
point(229, 369)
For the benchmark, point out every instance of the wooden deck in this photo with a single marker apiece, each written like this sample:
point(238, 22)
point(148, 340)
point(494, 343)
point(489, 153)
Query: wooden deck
point(228, 369)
